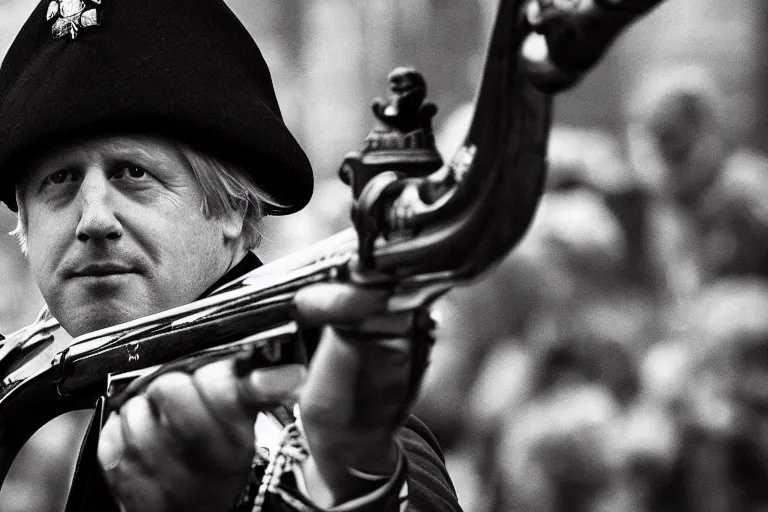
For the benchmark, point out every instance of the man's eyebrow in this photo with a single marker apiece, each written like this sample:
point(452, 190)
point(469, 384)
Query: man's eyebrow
point(130, 153)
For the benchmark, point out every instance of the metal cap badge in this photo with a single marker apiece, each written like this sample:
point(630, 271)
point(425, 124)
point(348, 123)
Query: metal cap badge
point(72, 16)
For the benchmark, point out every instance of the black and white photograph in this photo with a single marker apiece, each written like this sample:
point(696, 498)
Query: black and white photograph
point(383, 256)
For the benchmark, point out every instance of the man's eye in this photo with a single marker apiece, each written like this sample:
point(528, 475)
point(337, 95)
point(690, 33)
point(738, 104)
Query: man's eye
point(136, 172)
point(59, 177)
point(130, 171)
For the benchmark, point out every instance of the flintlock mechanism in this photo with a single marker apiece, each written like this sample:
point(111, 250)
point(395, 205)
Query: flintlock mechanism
point(420, 226)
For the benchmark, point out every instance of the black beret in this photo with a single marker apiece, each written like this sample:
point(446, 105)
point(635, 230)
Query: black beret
point(187, 69)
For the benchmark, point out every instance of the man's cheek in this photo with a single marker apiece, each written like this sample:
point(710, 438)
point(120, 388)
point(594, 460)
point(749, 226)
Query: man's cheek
point(41, 266)
point(47, 238)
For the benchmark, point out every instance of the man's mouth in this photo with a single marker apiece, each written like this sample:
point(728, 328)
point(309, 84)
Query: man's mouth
point(102, 269)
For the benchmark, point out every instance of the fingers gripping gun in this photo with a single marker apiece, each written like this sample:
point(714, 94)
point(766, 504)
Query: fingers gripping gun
point(420, 227)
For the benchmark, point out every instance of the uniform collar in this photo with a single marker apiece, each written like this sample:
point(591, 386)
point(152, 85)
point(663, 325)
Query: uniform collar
point(248, 263)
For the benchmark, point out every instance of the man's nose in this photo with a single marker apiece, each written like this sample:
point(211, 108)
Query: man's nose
point(97, 217)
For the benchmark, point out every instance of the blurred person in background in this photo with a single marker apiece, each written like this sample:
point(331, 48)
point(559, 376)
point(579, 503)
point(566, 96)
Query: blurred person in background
point(582, 246)
point(676, 139)
point(677, 148)
point(556, 316)
point(570, 256)
point(563, 377)
point(594, 160)
point(555, 454)
point(580, 436)
point(718, 396)
point(591, 160)
point(735, 212)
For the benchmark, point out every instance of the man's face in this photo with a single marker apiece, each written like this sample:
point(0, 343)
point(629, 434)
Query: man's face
point(115, 231)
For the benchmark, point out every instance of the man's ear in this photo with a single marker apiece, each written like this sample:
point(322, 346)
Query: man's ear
point(232, 225)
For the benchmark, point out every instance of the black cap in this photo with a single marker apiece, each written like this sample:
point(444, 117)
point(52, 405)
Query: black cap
point(187, 69)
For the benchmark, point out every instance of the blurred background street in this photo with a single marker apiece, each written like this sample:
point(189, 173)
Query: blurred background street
point(618, 359)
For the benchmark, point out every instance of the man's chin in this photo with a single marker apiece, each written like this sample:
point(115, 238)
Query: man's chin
point(87, 305)
point(86, 314)
point(77, 325)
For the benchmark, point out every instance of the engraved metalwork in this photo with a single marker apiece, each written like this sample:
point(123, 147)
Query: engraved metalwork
point(402, 141)
point(400, 147)
point(71, 16)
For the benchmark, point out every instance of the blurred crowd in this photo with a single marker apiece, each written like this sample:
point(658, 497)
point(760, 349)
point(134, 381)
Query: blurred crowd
point(617, 360)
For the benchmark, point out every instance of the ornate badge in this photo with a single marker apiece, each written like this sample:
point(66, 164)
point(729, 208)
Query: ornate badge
point(72, 16)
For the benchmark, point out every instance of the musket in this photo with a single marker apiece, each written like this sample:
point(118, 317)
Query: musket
point(420, 227)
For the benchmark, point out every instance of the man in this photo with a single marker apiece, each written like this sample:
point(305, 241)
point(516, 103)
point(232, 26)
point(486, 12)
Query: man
point(677, 148)
point(141, 144)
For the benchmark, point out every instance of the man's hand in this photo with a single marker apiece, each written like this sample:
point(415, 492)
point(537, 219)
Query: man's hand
point(359, 389)
point(187, 442)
